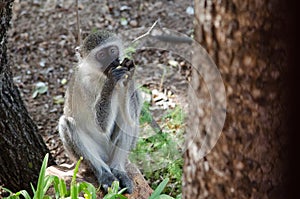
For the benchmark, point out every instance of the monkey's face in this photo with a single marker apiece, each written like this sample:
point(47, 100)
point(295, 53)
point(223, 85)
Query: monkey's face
point(104, 56)
point(107, 57)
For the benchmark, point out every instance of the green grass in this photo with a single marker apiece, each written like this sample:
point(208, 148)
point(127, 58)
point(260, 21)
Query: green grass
point(159, 154)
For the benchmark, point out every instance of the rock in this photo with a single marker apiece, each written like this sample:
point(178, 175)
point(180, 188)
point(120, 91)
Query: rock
point(133, 23)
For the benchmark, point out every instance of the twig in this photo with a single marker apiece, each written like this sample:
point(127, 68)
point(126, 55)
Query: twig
point(164, 37)
point(147, 33)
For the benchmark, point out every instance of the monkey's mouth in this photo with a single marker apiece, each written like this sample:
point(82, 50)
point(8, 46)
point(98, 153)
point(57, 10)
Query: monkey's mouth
point(115, 63)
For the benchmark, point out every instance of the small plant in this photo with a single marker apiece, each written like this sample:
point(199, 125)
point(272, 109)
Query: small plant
point(45, 181)
point(130, 50)
point(43, 185)
point(113, 192)
point(157, 192)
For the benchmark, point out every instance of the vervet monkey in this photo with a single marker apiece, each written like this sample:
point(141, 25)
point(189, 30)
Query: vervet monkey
point(102, 108)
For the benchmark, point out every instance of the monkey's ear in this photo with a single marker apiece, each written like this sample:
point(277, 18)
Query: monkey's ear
point(78, 53)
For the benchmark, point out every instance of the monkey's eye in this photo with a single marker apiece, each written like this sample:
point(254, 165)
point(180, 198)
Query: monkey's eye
point(113, 51)
point(100, 55)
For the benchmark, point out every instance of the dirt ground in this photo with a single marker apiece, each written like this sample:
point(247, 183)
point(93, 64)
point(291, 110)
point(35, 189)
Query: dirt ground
point(42, 43)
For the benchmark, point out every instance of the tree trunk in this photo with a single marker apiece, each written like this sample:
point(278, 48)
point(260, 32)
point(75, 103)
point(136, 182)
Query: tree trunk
point(22, 148)
point(246, 40)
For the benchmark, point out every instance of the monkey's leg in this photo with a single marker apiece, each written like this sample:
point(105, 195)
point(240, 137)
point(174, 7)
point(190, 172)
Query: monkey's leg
point(105, 108)
point(78, 146)
point(117, 168)
point(65, 127)
point(121, 142)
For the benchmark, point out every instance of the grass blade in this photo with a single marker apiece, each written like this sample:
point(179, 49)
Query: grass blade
point(74, 186)
point(48, 182)
point(159, 189)
point(25, 194)
point(88, 189)
point(39, 194)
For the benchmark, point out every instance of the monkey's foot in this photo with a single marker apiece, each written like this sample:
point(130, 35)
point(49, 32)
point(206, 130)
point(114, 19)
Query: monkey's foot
point(125, 181)
point(106, 179)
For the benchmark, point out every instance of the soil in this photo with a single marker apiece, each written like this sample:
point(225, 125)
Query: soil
point(43, 38)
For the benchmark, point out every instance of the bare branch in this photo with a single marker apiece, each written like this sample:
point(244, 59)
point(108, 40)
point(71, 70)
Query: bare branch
point(147, 33)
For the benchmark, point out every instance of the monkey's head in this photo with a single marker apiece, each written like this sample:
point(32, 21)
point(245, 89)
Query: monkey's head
point(102, 50)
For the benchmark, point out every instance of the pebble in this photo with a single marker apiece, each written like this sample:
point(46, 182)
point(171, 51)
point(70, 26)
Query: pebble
point(133, 23)
point(189, 10)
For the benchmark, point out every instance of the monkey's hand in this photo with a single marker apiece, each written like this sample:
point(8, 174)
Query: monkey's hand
point(121, 75)
point(111, 66)
point(116, 74)
point(128, 64)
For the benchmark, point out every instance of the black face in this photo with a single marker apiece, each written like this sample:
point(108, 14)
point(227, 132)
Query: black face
point(106, 56)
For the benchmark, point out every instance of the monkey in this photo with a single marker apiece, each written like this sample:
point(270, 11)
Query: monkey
point(102, 107)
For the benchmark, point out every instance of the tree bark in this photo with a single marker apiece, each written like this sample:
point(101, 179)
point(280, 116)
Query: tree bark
point(22, 148)
point(246, 40)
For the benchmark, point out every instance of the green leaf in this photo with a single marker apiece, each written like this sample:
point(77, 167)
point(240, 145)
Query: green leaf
point(164, 196)
point(32, 188)
point(59, 99)
point(7, 190)
point(74, 185)
point(56, 188)
point(129, 51)
point(48, 182)
point(123, 21)
point(35, 94)
point(159, 189)
point(74, 190)
point(115, 186)
point(60, 188)
point(122, 191)
point(120, 196)
point(179, 196)
point(40, 88)
point(76, 170)
point(63, 187)
point(113, 192)
point(41, 181)
point(88, 189)
point(24, 193)
point(114, 196)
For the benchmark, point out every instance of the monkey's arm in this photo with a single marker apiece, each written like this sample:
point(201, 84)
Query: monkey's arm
point(103, 106)
point(129, 96)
